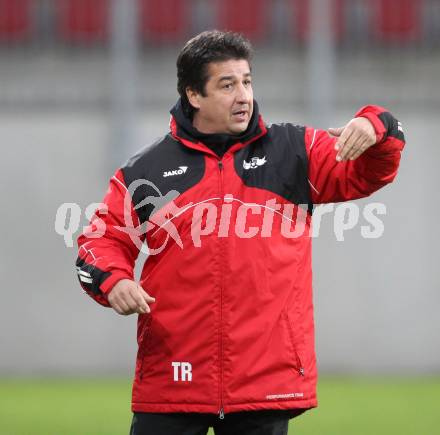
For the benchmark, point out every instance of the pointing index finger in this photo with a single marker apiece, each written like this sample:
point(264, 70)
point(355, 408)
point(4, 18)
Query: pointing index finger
point(345, 135)
point(341, 144)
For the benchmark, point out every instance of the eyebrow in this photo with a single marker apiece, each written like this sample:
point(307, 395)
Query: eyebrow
point(233, 77)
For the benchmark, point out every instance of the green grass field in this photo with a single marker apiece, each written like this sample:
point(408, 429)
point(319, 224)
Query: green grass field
point(347, 406)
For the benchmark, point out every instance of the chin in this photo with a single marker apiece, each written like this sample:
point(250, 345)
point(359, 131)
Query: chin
point(239, 128)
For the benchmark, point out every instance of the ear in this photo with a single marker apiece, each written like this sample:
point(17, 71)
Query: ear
point(193, 97)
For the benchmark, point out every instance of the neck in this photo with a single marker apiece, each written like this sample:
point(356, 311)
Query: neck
point(202, 127)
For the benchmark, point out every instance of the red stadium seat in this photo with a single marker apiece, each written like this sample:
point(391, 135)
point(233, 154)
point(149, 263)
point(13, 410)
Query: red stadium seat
point(164, 20)
point(83, 21)
point(397, 20)
point(15, 20)
point(249, 17)
point(301, 17)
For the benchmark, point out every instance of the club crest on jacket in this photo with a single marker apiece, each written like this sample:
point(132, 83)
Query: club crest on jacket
point(254, 163)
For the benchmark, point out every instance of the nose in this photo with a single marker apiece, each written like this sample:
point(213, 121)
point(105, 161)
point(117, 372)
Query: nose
point(244, 94)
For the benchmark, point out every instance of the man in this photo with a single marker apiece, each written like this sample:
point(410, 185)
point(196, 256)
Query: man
point(224, 202)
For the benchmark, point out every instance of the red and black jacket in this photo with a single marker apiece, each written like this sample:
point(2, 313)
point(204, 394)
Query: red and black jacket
point(232, 327)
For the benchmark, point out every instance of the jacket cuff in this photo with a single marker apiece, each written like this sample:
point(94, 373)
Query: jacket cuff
point(371, 113)
point(107, 285)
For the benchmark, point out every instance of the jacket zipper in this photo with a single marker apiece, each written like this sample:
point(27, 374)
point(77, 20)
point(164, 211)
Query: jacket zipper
point(299, 367)
point(144, 343)
point(221, 411)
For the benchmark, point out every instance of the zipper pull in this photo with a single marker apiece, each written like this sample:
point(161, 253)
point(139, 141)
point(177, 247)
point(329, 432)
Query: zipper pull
point(301, 371)
point(221, 414)
point(220, 165)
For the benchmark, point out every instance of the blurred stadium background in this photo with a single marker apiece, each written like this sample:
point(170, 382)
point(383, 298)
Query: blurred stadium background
point(84, 83)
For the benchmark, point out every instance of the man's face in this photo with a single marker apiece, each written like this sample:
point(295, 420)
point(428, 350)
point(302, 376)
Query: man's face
point(228, 102)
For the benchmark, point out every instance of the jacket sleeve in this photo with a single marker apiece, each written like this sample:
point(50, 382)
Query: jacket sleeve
point(108, 248)
point(332, 181)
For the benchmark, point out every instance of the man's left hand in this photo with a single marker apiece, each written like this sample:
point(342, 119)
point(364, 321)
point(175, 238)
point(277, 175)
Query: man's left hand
point(353, 139)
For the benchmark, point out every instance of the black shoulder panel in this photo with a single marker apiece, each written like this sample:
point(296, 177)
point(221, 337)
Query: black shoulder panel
point(277, 162)
point(160, 172)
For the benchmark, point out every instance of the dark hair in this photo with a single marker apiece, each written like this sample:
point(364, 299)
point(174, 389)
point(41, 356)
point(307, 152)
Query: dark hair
point(198, 52)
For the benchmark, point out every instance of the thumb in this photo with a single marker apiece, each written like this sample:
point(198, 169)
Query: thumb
point(336, 131)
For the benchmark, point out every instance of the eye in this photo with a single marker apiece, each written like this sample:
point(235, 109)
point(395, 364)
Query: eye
point(247, 82)
point(227, 86)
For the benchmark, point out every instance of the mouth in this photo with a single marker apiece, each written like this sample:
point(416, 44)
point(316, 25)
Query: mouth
point(240, 115)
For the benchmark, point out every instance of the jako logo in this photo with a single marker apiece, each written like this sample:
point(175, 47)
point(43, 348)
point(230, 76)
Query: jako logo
point(180, 171)
point(254, 163)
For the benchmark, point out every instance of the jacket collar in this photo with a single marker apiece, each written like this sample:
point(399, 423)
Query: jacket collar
point(182, 129)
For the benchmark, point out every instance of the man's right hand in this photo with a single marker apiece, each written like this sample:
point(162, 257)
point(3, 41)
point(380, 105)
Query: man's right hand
point(128, 297)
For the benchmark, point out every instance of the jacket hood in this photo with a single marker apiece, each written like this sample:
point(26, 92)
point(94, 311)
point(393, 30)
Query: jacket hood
point(182, 128)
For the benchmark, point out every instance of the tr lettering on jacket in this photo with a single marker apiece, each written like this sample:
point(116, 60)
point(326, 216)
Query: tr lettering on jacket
point(182, 371)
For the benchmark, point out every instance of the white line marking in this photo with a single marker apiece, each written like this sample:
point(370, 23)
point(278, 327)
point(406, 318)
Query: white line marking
point(89, 251)
point(234, 199)
point(120, 182)
point(183, 211)
point(313, 187)
point(313, 139)
point(86, 274)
